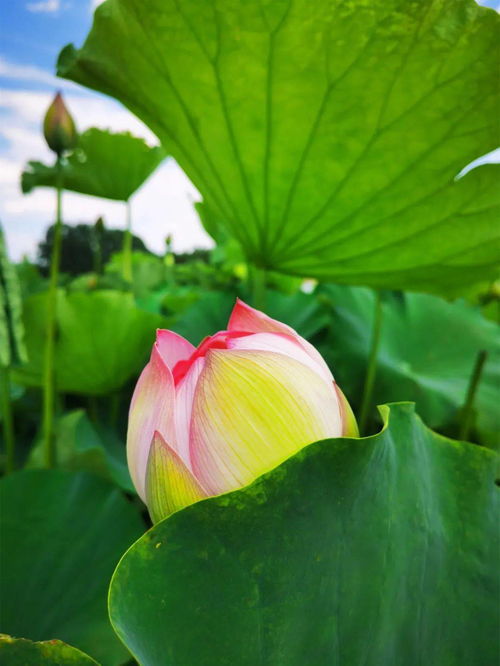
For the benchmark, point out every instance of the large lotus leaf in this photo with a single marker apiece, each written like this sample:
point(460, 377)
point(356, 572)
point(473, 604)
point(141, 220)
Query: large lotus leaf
point(103, 340)
point(355, 551)
point(22, 652)
point(325, 135)
point(61, 535)
point(427, 351)
point(104, 164)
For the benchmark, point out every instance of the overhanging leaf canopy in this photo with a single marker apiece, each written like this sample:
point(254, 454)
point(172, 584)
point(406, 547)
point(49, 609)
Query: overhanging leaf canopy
point(104, 164)
point(327, 135)
point(369, 551)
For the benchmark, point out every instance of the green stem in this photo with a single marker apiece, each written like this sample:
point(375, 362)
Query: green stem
point(93, 409)
point(468, 408)
point(258, 287)
point(8, 427)
point(169, 262)
point(48, 365)
point(371, 369)
point(127, 245)
point(114, 409)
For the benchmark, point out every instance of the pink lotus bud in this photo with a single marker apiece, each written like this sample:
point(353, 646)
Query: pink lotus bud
point(58, 127)
point(211, 419)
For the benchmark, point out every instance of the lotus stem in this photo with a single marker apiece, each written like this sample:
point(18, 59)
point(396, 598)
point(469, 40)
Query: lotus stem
point(114, 408)
point(371, 369)
point(468, 408)
point(7, 421)
point(127, 244)
point(258, 283)
point(48, 366)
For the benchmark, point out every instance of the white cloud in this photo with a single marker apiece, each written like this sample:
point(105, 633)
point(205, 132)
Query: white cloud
point(95, 3)
point(13, 71)
point(44, 6)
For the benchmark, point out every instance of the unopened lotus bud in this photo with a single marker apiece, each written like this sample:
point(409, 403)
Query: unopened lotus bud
point(207, 420)
point(59, 128)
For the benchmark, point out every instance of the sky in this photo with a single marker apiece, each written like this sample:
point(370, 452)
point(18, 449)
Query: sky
point(32, 32)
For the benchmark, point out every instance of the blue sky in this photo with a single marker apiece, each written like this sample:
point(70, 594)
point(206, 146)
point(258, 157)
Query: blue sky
point(32, 32)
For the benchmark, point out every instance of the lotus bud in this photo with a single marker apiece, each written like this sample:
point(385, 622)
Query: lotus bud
point(211, 419)
point(58, 127)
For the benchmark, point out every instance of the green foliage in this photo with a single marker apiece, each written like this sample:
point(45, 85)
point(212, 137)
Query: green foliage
point(83, 445)
point(427, 352)
point(61, 538)
point(341, 164)
point(371, 551)
point(210, 313)
point(12, 347)
point(104, 164)
point(102, 341)
point(79, 247)
point(21, 652)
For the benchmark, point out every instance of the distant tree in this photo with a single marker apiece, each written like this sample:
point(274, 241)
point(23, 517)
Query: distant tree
point(196, 255)
point(79, 247)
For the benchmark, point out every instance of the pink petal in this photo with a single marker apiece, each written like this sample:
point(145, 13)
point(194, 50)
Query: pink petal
point(245, 318)
point(152, 408)
point(279, 343)
point(173, 347)
point(184, 397)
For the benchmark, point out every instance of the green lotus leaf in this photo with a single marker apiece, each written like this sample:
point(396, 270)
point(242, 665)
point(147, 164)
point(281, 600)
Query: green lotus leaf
point(81, 444)
point(325, 136)
point(427, 351)
point(61, 535)
point(102, 341)
point(22, 652)
point(12, 346)
point(372, 551)
point(104, 164)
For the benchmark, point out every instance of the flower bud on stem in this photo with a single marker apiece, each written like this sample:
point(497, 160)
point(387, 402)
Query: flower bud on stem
point(59, 128)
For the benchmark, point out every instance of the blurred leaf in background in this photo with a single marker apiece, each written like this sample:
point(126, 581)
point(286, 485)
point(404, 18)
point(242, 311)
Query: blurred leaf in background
point(103, 164)
point(428, 348)
point(12, 345)
point(83, 445)
point(342, 162)
point(103, 340)
point(61, 538)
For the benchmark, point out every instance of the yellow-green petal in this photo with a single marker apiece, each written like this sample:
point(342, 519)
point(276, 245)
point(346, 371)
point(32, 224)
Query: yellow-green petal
point(170, 486)
point(251, 411)
point(349, 424)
